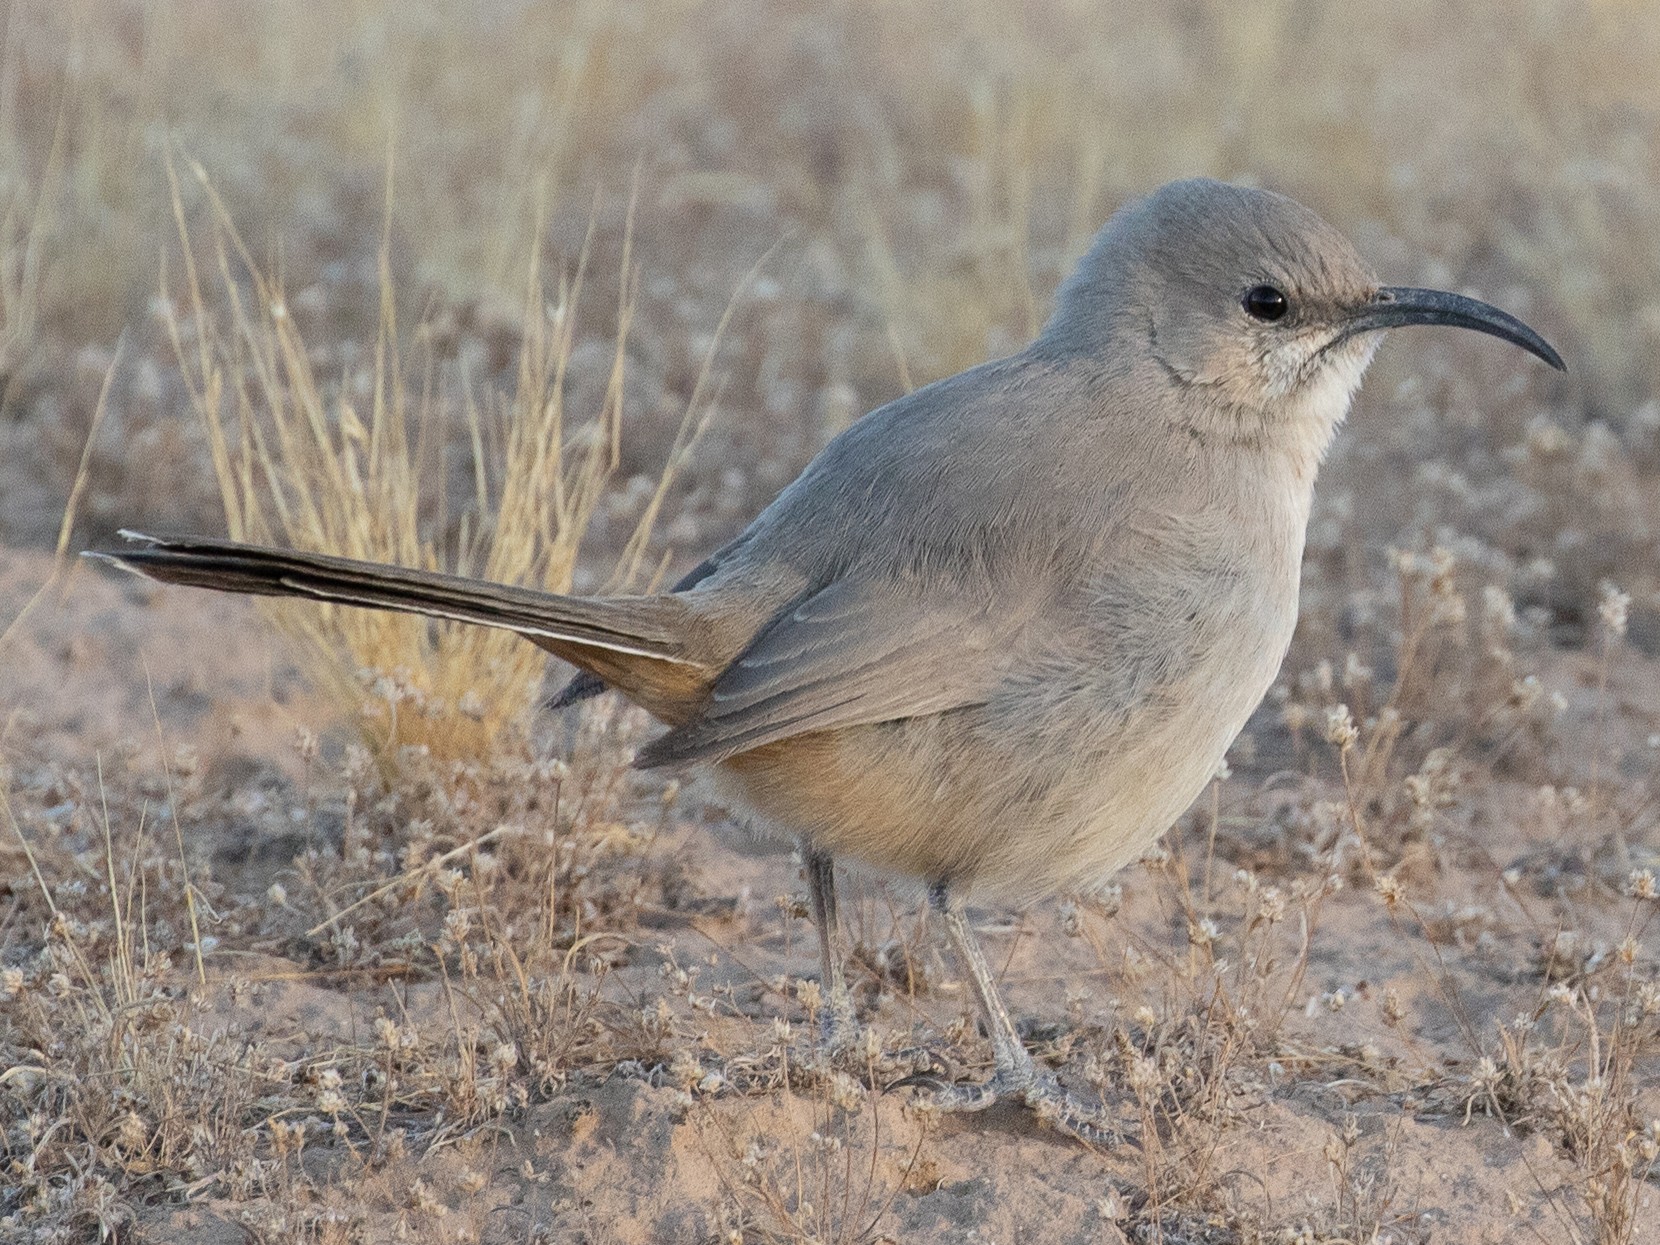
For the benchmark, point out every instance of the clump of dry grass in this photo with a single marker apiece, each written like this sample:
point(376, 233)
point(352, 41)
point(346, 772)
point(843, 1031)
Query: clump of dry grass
point(1571, 1066)
point(346, 467)
point(1581, 1083)
point(820, 1170)
point(481, 970)
point(27, 226)
point(107, 1077)
point(1187, 1065)
point(1485, 791)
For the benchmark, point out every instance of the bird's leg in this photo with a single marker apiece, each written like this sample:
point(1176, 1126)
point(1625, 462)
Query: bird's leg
point(1014, 1074)
point(1014, 1067)
point(839, 1031)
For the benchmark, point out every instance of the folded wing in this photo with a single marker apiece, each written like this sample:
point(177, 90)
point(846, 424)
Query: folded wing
point(854, 653)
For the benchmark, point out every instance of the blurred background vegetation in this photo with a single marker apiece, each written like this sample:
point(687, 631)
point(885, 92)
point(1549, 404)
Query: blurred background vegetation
point(872, 195)
point(930, 170)
point(563, 292)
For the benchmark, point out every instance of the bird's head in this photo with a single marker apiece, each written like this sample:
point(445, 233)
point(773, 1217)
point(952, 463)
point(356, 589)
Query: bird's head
point(1259, 312)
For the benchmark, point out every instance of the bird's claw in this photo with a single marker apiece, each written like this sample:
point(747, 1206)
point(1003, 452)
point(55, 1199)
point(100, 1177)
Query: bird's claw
point(1039, 1091)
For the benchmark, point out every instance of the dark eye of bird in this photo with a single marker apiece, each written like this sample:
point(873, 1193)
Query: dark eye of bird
point(1265, 302)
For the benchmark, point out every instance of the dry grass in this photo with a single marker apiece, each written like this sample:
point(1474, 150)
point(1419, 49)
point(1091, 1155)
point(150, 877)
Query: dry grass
point(453, 288)
point(136, 1085)
point(357, 466)
point(26, 235)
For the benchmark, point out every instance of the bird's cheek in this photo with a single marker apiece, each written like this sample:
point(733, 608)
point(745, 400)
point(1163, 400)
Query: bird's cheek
point(1321, 402)
point(1283, 368)
point(1233, 366)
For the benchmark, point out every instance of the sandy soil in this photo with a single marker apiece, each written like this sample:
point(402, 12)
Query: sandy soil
point(1336, 1120)
point(260, 984)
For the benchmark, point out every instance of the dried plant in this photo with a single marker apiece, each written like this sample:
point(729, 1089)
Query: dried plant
point(298, 463)
point(1412, 920)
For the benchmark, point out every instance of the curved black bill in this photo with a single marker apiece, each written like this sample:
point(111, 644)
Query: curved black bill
point(1395, 306)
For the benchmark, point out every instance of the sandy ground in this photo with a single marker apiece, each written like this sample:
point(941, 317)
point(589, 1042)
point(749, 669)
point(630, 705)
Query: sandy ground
point(257, 984)
point(1342, 1123)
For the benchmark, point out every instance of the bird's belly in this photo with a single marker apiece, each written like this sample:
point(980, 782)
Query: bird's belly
point(1054, 786)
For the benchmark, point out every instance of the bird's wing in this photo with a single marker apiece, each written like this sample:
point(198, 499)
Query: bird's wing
point(585, 685)
point(854, 653)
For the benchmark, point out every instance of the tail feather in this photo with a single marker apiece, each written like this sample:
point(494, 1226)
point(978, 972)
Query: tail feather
point(657, 627)
point(584, 686)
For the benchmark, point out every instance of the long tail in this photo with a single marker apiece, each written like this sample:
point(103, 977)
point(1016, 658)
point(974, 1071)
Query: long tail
point(603, 635)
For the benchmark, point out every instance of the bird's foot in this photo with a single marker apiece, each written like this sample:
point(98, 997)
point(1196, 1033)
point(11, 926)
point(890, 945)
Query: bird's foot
point(840, 1035)
point(835, 1041)
point(1059, 1110)
point(1038, 1090)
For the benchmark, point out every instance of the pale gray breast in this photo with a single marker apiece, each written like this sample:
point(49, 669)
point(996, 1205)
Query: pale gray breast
point(1178, 591)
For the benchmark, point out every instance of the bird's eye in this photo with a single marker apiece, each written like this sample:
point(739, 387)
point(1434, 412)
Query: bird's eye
point(1265, 302)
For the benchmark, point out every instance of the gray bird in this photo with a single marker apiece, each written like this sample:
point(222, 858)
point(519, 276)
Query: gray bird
point(999, 634)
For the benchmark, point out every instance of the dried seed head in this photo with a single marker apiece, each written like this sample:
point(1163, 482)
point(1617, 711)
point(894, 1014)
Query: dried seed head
point(1145, 1077)
point(1201, 933)
point(1341, 732)
point(1498, 610)
point(846, 1093)
point(132, 1134)
point(1157, 856)
point(1486, 1076)
point(1071, 921)
point(422, 1198)
point(1394, 1011)
point(1271, 905)
point(870, 1044)
point(1389, 890)
point(684, 1069)
point(1614, 608)
point(1356, 673)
